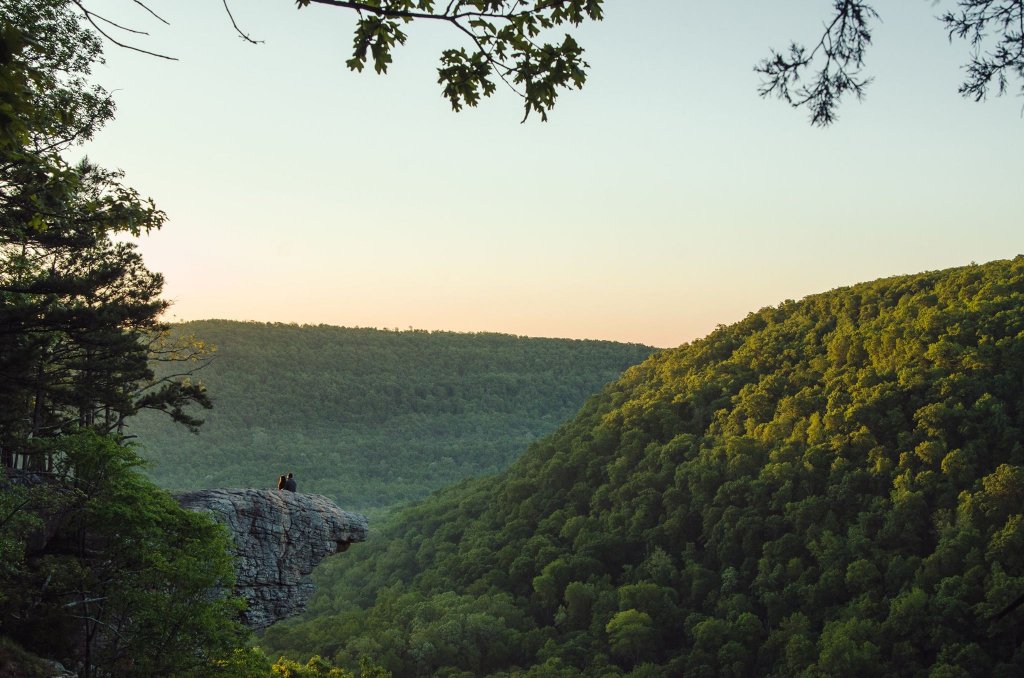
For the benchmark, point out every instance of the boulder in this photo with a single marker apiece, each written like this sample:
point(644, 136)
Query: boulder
point(279, 538)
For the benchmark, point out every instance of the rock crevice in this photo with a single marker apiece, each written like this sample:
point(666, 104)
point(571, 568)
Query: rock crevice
point(279, 538)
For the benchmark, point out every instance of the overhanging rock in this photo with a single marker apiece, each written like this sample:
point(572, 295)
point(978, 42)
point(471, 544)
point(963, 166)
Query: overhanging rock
point(279, 538)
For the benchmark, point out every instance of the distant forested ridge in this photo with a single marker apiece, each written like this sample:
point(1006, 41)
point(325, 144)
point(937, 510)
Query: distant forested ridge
point(372, 417)
point(830, 487)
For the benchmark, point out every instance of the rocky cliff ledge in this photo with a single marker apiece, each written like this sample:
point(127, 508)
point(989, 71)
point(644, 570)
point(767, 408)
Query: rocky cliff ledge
point(279, 539)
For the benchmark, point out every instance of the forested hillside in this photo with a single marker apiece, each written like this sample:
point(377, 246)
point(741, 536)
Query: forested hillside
point(372, 417)
point(829, 487)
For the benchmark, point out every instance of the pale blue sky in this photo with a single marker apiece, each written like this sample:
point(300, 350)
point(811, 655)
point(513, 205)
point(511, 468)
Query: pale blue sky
point(663, 199)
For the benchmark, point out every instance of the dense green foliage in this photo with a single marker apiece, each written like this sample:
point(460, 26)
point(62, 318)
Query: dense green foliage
point(252, 662)
point(126, 581)
point(507, 43)
point(829, 487)
point(372, 417)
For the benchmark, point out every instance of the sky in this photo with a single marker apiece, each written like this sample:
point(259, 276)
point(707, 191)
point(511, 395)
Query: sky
point(663, 199)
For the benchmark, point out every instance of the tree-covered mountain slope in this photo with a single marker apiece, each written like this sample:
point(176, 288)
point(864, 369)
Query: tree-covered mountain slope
point(371, 417)
point(833, 487)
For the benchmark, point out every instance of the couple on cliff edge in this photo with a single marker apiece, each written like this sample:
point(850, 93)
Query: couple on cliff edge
point(287, 483)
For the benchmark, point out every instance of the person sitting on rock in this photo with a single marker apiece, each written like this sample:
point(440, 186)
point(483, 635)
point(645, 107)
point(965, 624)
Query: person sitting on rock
point(280, 482)
point(289, 483)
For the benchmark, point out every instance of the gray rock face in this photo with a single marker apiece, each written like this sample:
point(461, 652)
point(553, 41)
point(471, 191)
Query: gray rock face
point(279, 538)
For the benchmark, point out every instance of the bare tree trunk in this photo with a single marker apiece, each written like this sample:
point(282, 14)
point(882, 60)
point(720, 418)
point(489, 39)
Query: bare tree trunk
point(37, 414)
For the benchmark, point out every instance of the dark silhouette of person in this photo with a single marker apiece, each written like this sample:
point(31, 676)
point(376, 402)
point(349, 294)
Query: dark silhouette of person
point(289, 483)
point(280, 482)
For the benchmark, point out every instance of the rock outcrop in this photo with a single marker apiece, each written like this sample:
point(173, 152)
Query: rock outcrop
point(279, 538)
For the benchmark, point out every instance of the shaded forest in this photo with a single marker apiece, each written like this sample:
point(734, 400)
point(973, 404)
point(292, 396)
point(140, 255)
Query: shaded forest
point(829, 487)
point(371, 417)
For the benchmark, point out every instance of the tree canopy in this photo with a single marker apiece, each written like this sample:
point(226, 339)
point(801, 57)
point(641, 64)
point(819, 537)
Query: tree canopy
point(98, 567)
point(128, 582)
point(829, 487)
point(521, 45)
point(79, 311)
